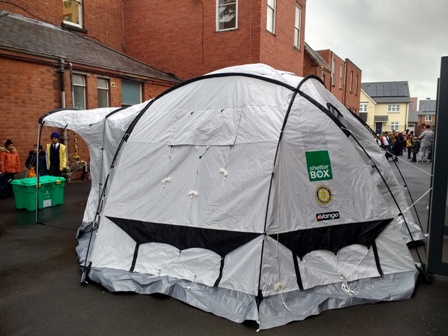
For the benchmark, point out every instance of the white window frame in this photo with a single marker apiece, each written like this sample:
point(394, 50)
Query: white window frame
point(357, 84)
point(220, 6)
point(80, 12)
point(351, 81)
point(270, 15)
point(340, 77)
point(297, 23)
point(79, 84)
point(393, 108)
point(103, 90)
point(394, 125)
point(333, 70)
point(363, 107)
point(428, 117)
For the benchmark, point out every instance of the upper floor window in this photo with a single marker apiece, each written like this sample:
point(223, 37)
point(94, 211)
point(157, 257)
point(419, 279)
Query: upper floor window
point(393, 108)
point(333, 70)
point(79, 91)
point(227, 11)
point(340, 76)
point(428, 117)
point(363, 107)
point(72, 11)
point(103, 92)
point(297, 26)
point(270, 21)
point(351, 81)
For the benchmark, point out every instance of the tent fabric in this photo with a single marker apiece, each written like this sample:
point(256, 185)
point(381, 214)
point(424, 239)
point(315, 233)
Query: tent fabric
point(248, 192)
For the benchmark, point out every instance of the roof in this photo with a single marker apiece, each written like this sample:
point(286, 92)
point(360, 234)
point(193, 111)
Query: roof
point(316, 56)
point(413, 116)
point(427, 106)
point(21, 34)
point(388, 92)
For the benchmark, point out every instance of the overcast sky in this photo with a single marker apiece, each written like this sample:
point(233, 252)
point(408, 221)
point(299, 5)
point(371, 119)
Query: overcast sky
point(388, 40)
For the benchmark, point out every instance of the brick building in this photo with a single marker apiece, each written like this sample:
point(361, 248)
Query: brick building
point(426, 115)
point(345, 79)
point(191, 38)
point(314, 64)
point(45, 67)
point(88, 54)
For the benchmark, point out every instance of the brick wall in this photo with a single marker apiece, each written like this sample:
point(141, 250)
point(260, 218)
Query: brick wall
point(46, 10)
point(102, 19)
point(312, 67)
point(352, 89)
point(278, 49)
point(180, 36)
point(29, 89)
point(349, 92)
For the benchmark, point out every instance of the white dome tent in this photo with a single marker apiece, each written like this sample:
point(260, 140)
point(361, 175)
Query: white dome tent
point(249, 193)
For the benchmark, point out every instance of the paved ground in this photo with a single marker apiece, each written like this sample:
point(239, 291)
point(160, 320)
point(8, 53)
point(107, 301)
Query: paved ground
point(40, 291)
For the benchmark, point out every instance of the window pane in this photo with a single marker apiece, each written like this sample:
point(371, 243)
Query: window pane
point(79, 97)
point(79, 91)
point(270, 22)
point(103, 98)
point(79, 80)
point(297, 27)
point(103, 92)
point(130, 93)
point(103, 83)
point(227, 14)
point(72, 11)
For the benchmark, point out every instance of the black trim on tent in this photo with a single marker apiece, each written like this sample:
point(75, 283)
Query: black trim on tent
point(184, 237)
point(297, 269)
point(134, 257)
point(220, 273)
point(221, 242)
point(332, 238)
point(377, 258)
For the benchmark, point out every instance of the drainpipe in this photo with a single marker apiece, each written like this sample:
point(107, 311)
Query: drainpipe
point(61, 71)
point(61, 79)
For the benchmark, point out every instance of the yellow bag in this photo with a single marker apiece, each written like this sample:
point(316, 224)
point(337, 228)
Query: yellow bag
point(408, 143)
point(31, 172)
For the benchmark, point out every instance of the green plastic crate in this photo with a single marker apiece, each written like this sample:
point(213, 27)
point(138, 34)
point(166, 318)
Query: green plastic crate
point(50, 192)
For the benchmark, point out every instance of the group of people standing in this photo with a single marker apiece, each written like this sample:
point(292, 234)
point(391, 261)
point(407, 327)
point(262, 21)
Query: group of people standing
point(396, 143)
point(53, 162)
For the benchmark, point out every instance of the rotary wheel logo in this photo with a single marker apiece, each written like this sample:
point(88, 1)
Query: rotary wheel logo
point(324, 195)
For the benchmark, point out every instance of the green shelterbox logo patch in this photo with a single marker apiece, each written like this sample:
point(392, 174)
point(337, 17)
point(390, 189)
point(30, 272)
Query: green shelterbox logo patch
point(319, 167)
